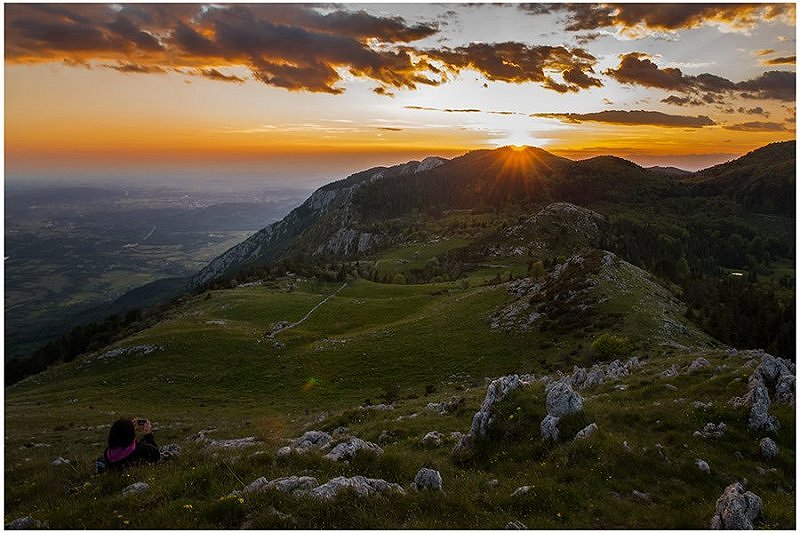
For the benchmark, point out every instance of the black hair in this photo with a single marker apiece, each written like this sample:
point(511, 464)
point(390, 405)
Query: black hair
point(122, 434)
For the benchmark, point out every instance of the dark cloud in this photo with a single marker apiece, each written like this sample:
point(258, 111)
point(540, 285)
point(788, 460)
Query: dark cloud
point(136, 68)
point(214, 74)
point(663, 17)
point(756, 126)
point(788, 60)
point(774, 84)
point(752, 111)
point(285, 45)
point(633, 118)
point(638, 69)
point(579, 78)
point(764, 52)
point(682, 100)
point(514, 62)
point(388, 128)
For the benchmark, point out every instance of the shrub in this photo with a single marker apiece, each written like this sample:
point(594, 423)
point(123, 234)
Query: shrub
point(608, 346)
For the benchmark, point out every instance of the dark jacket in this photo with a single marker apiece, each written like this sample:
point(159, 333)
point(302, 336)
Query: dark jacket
point(146, 452)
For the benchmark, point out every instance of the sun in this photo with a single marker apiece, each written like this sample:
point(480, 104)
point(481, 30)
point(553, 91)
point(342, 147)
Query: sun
point(518, 147)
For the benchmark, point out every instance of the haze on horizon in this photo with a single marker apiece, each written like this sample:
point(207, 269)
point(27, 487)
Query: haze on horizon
point(308, 93)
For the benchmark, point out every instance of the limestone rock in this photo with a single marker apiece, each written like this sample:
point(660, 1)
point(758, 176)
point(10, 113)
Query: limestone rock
point(760, 419)
point(345, 451)
point(562, 400)
point(703, 466)
point(698, 364)
point(594, 378)
point(784, 389)
point(515, 524)
point(671, 372)
point(312, 439)
point(616, 370)
point(521, 491)
point(290, 484)
point(168, 451)
point(769, 449)
point(432, 438)
point(736, 509)
point(428, 479)
point(135, 488)
point(549, 428)
point(711, 430)
point(25, 522)
point(495, 392)
point(361, 485)
point(59, 461)
point(586, 432)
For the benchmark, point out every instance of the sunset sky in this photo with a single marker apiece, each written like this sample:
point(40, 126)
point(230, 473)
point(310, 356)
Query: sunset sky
point(313, 92)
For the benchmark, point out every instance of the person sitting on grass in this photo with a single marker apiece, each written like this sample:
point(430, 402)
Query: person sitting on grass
point(123, 448)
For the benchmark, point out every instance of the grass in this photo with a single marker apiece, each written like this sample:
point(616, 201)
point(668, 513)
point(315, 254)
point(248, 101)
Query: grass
point(219, 370)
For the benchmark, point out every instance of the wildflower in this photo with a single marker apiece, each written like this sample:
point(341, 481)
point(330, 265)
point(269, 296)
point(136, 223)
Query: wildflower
point(241, 500)
point(188, 506)
point(126, 522)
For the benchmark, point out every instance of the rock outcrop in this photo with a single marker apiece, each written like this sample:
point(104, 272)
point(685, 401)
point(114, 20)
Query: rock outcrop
point(310, 440)
point(736, 509)
point(428, 479)
point(289, 485)
point(586, 432)
point(346, 451)
point(135, 488)
point(562, 400)
point(549, 428)
point(769, 449)
point(361, 485)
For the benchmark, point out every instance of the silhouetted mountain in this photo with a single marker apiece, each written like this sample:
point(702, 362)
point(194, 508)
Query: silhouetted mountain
point(762, 180)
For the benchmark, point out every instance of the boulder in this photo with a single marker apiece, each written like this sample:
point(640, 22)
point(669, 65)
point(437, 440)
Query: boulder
point(290, 485)
point(312, 439)
point(495, 392)
point(168, 451)
point(784, 389)
point(60, 461)
point(641, 496)
point(698, 364)
point(769, 449)
point(736, 509)
point(549, 428)
point(760, 419)
point(345, 451)
point(521, 491)
point(578, 377)
point(432, 438)
point(711, 430)
point(703, 466)
point(428, 479)
point(586, 432)
point(671, 372)
point(594, 378)
point(25, 522)
point(616, 370)
point(562, 400)
point(136, 488)
point(361, 485)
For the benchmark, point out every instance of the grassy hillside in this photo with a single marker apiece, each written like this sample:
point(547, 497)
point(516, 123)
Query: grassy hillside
point(217, 367)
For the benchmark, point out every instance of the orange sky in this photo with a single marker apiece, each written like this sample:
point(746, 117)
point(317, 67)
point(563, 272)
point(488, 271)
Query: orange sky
point(85, 93)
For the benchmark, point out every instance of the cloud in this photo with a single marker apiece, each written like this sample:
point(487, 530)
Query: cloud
point(285, 45)
point(774, 84)
point(214, 74)
point(636, 68)
point(681, 100)
point(764, 52)
point(638, 19)
point(135, 68)
point(388, 128)
point(514, 62)
point(752, 111)
point(632, 118)
point(756, 126)
point(788, 60)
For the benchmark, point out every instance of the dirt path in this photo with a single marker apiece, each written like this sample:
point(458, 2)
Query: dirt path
point(289, 326)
